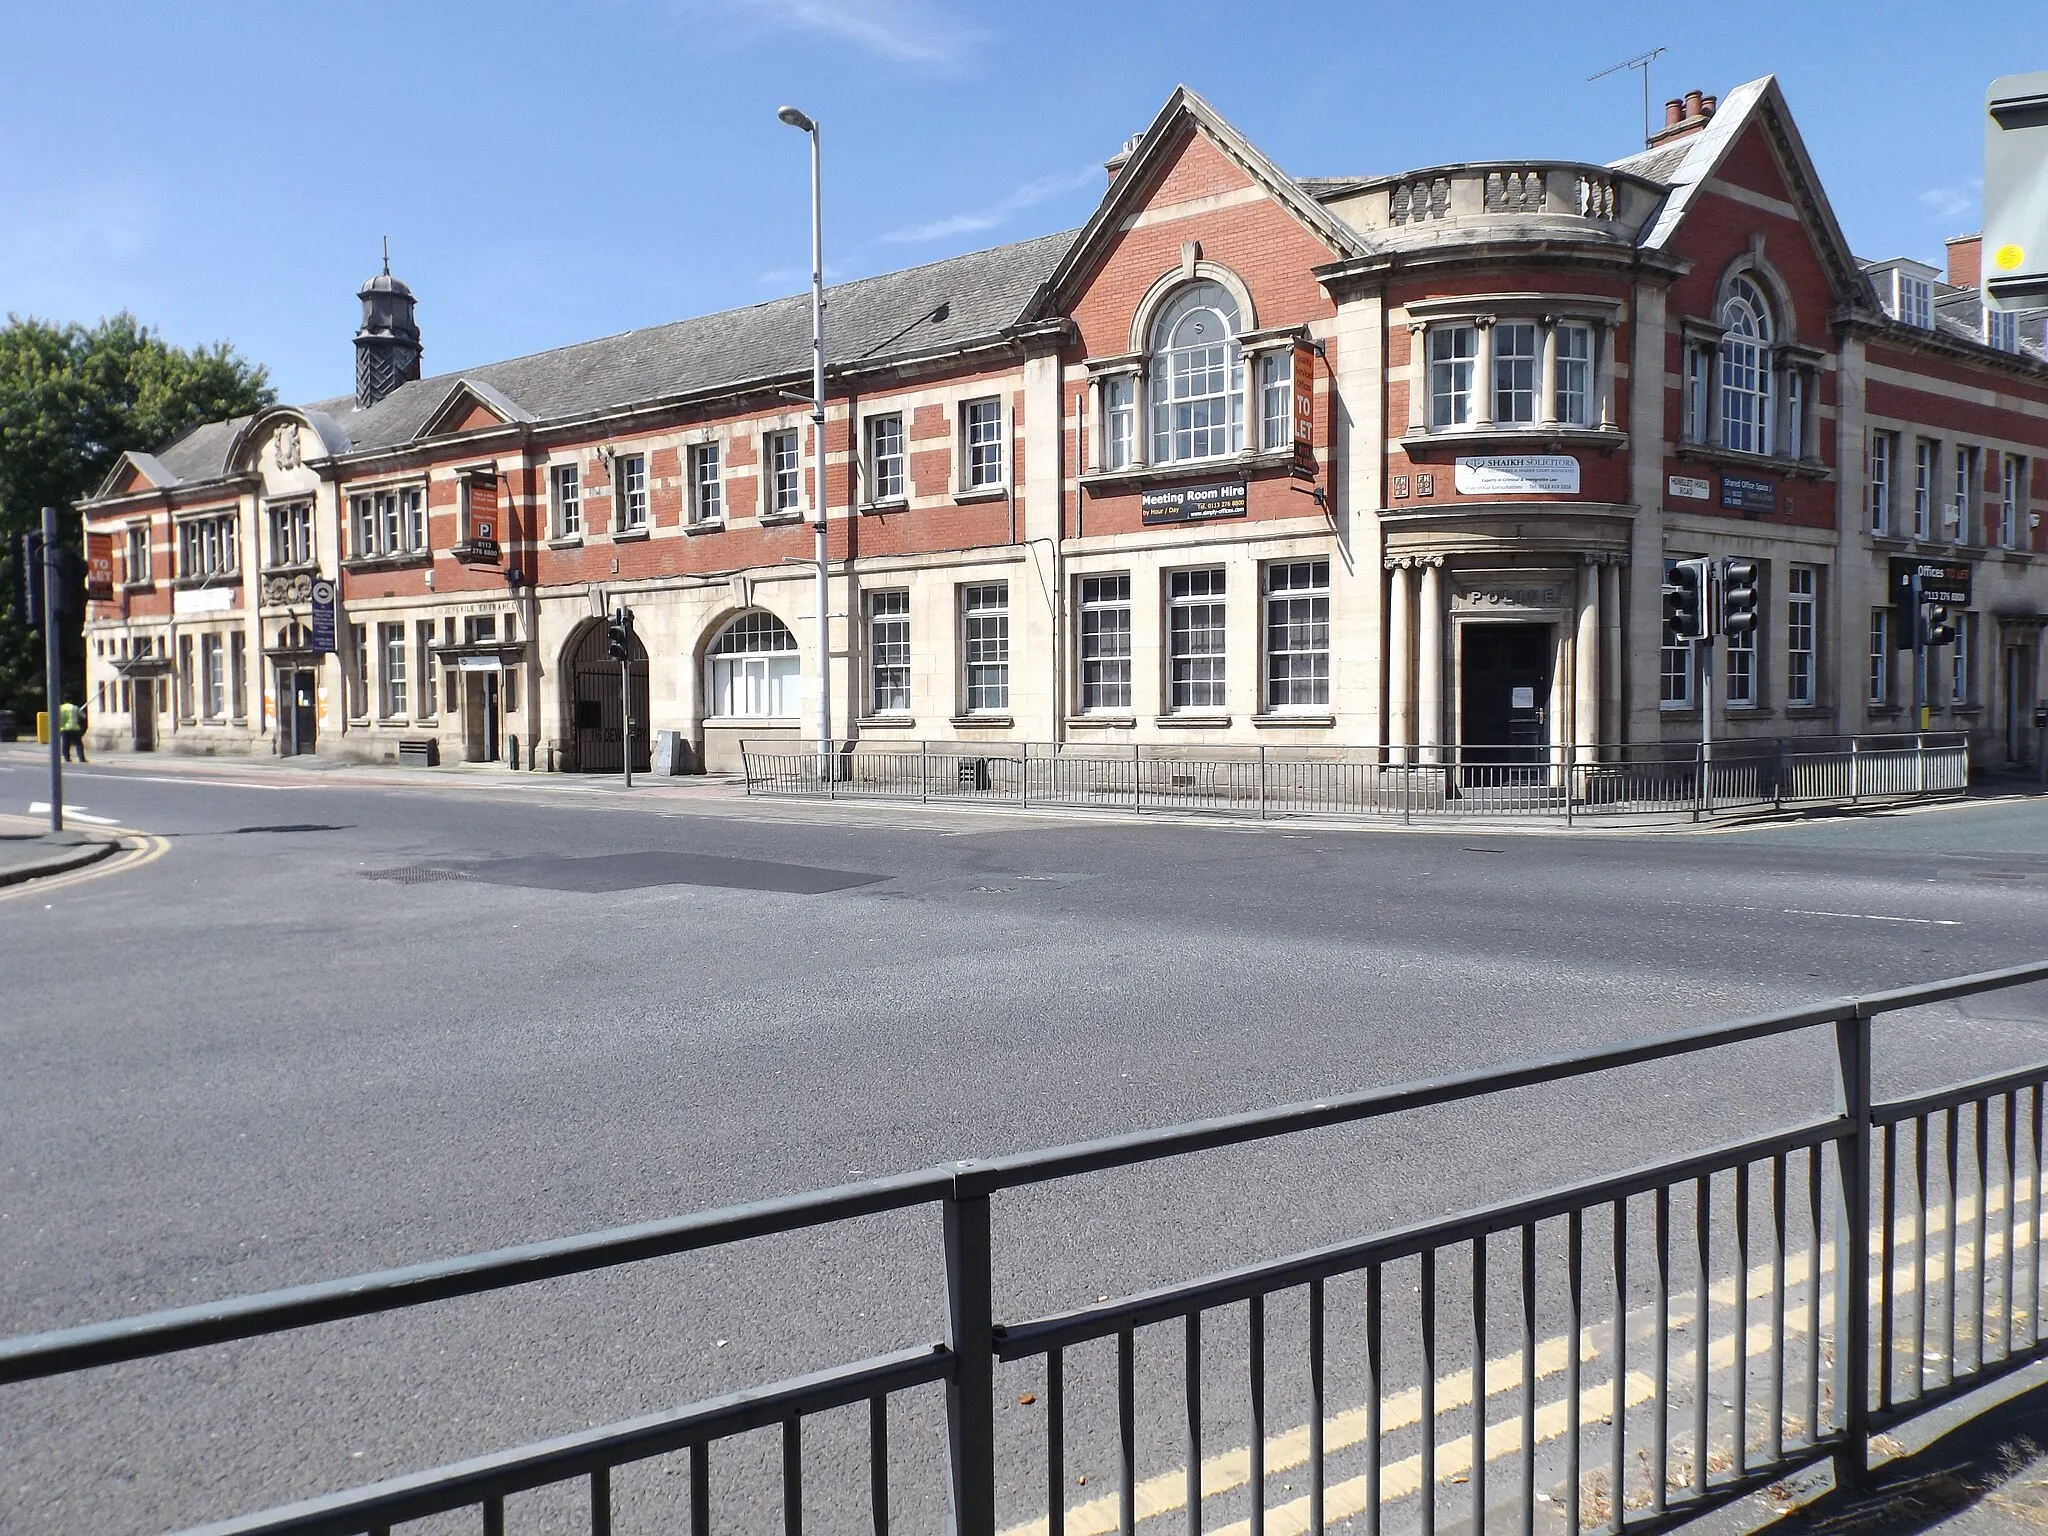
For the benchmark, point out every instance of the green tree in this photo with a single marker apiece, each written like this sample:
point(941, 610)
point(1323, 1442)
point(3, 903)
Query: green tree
point(72, 400)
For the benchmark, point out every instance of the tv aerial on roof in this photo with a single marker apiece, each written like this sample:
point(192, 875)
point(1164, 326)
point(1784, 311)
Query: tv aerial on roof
point(1641, 61)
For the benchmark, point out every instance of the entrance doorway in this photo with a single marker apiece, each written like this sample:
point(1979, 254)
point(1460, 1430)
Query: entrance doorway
point(2016, 715)
point(480, 715)
point(1504, 688)
point(142, 704)
point(297, 720)
point(596, 709)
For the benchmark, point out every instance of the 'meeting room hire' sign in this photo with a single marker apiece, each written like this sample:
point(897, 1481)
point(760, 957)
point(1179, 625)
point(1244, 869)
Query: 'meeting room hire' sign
point(1193, 503)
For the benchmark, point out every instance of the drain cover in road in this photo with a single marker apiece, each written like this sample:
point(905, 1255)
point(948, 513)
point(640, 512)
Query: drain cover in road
point(633, 871)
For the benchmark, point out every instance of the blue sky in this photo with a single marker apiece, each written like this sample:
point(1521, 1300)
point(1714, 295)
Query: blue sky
point(549, 173)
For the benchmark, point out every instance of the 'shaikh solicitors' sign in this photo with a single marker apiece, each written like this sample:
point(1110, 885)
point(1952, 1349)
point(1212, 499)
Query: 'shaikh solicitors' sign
point(1518, 474)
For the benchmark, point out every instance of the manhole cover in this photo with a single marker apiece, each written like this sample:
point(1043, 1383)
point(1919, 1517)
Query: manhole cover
point(414, 874)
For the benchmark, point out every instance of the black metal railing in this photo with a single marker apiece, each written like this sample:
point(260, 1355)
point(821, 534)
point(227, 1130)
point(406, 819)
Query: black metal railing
point(1617, 1250)
point(1412, 783)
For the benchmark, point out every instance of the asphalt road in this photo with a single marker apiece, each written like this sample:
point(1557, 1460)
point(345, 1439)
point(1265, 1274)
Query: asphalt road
point(338, 1025)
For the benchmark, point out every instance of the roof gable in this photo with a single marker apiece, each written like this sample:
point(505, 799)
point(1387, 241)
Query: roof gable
point(1154, 165)
point(471, 405)
point(135, 471)
point(1758, 104)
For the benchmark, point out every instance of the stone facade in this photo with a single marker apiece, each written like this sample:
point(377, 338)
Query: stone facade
point(1393, 462)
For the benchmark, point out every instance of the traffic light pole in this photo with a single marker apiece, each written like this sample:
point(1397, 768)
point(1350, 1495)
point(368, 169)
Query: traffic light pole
point(1706, 655)
point(1919, 658)
point(53, 667)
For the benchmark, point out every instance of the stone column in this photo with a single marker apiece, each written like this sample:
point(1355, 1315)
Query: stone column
point(1603, 375)
point(1400, 639)
point(1546, 408)
point(1429, 661)
point(1482, 375)
point(1610, 653)
point(1586, 666)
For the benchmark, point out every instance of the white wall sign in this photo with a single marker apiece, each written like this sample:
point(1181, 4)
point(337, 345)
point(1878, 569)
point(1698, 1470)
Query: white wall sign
point(202, 600)
point(1518, 474)
point(1690, 488)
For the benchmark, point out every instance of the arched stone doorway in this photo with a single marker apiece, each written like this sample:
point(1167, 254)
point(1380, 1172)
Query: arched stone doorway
point(596, 713)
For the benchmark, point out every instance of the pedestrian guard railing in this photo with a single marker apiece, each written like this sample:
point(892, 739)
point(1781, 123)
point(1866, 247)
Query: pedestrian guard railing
point(1411, 783)
point(1715, 1320)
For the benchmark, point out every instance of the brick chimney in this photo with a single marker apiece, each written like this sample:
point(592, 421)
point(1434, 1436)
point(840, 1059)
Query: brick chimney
point(1683, 115)
point(1965, 261)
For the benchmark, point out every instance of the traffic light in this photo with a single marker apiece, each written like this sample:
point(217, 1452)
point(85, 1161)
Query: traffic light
point(619, 635)
point(1685, 609)
point(1941, 624)
point(1738, 596)
point(28, 581)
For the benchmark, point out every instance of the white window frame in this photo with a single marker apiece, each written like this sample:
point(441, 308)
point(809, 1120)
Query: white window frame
point(1916, 299)
point(2012, 469)
point(1294, 615)
point(1962, 665)
point(1969, 480)
point(984, 609)
point(212, 676)
point(1573, 405)
point(1741, 671)
point(1745, 373)
point(1517, 375)
point(885, 458)
point(1196, 386)
point(289, 528)
point(1878, 677)
point(388, 521)
point(391, 671)
point(208, 547)
point(423, 663)
point(238, 675)
point(782, 478)
point(1802, 636)
point(1453, 373)
point(1197, 640)
point(981, 444)
point(1926, 475)
point(1276, 400)
point(705, 465)
point(1883, 450)
point(747, 665)
point(137, 555)
point(565, 499)
point(2001, 329)
point(1102, 643)
point(629, 493)
point(888, 625)
point(1119, 421)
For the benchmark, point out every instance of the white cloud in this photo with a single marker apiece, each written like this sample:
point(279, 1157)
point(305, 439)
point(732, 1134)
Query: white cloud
point(1041, 189)
point(1948, 202)
point(911, 31)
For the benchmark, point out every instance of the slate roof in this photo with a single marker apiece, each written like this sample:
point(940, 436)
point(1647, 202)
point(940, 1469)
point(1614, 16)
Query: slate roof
point(895, 315)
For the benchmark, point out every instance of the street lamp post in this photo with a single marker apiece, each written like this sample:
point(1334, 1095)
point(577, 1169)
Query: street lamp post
point(806, 125)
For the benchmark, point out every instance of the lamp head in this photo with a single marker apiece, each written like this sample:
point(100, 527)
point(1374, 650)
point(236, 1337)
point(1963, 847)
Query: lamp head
point(796, 119)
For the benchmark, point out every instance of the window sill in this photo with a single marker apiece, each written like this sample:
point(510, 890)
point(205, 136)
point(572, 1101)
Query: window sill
point(1766, 463)
point(752, 722)
point(1804, 711)
point(983, 722)
point(1106, 722)
point(1967, 711)
point(2018, 556)
point(195, 583)
point(709, 525)
point(137, 586)
point(567, 541)
point(1270, 722)
point(981, 493)
point(779, 519)
point(1191, 722)
point(1138, 476)
point(396, 562)
point(630, 535)
point(886, 505)
point(886, 722)
point(1554, 437)
point(302, 568)
point(1884, 711)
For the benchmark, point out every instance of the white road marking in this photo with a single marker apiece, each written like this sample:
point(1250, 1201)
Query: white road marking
point(73, 812)
point(1878, 917)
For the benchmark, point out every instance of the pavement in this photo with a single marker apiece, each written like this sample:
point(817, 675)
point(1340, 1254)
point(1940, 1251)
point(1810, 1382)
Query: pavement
point(317, 1021)
point(29, 850)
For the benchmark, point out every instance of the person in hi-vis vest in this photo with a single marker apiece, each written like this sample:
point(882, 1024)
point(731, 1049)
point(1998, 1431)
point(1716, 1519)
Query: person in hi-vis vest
point(71, 727)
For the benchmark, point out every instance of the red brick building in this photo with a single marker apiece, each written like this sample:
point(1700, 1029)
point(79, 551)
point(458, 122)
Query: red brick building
point(1395, 461)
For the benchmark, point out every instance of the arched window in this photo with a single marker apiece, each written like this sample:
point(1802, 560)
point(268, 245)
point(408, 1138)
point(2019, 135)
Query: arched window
point(1746, 370)
point(753, 669)
point(1197, 382)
